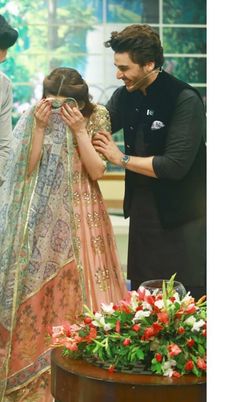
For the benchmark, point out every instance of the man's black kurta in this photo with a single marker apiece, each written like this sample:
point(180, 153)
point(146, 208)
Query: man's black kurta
point(167, 213)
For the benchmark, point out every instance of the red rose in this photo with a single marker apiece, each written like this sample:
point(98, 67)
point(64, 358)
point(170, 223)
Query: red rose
point(189, 365)
point(127, 342)
point(87, 320)
point(136, 327)
point(190, 342)
point(163, 317)
point(118, 326)
point(201, 363)
point(181, 330)
point(204, 332)
point(191, 309)
point(150, 300)
point(92, 333)
point(111, 369)
point(176, 374)
point(158, 357)
point(156, 328)
point(67, 329)
point(174, 349)
point(148, 333)
point(179, 314)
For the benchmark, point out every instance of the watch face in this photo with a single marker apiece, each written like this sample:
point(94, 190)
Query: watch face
point(125, 159)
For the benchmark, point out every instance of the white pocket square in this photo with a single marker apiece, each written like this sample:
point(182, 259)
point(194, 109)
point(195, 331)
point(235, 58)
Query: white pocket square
point(156, 125)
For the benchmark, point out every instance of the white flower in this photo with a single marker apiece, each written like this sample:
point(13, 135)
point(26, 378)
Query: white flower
point(190, 320)
point(134, 299)
point(100, 322)
point(168, 372)
point(147, 306)
point(187, 298)
point(142, 289)
point(107, 327)
point(197, 325)
point(107, 308)
point(176, 296)
point(141, 314)
point(168, 367)
point(159, 304)
point(98, 316)
point(169, 363)
point(58, 330)
point(74, 328)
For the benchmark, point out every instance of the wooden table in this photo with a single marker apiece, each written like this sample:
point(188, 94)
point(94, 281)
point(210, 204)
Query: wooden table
point(79, 381)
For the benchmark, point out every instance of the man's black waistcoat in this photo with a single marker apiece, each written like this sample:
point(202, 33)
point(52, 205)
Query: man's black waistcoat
point(178, 201)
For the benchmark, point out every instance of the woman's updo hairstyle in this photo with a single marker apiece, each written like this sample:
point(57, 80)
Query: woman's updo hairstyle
point(65, 81)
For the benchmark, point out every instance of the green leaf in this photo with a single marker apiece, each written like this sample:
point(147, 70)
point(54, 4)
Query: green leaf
point(201, 350)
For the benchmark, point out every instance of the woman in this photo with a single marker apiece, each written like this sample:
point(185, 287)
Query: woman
point(57, 246)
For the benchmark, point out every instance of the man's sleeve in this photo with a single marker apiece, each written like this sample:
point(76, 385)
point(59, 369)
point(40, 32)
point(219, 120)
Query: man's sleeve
point(185, 133)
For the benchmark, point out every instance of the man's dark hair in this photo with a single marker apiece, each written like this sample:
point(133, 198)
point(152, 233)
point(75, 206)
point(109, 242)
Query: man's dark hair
point(141, 42)
point(8, 35)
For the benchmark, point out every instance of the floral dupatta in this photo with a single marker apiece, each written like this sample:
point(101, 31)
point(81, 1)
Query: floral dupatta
point(36, 234)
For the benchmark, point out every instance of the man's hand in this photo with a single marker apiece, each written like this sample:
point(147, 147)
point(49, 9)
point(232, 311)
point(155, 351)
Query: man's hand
point(104, 144)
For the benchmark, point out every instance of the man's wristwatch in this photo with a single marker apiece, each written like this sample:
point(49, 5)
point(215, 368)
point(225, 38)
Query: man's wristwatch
point(124, 160)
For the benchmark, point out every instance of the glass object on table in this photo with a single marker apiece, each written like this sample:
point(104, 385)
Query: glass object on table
point(156, 286)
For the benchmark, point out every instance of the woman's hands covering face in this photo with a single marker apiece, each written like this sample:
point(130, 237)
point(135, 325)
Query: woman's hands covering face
point(73, 118)
point(42, 113)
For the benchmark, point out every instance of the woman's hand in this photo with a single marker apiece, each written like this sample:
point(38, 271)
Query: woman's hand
point(42, 113)
point(74, 119)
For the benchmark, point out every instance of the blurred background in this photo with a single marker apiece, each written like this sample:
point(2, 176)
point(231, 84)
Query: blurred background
point(71, 33)
point(55, 33)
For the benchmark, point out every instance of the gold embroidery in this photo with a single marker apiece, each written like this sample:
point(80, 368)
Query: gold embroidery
point(78, 241)
point(105, 216)
point(98, 244)
point(76, 197)
point(102, 278)
point(93, 220)
point(77, 220)
point(76, 177)
point(86, 197)
point(94, 196)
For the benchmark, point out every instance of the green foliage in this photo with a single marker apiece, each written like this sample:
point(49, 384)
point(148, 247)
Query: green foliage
point(191, 70)
point(184, 11)
point(184, 40)
point(122, 15)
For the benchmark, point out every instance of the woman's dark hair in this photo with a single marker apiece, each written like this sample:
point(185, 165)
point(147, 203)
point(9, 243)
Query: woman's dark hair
point(141, 42)
point(68, 82)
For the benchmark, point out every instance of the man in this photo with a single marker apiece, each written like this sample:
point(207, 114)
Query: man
point(8, 37)
point(164, 126)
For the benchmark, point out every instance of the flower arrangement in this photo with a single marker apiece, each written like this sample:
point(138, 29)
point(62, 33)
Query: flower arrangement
point(156, 333)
